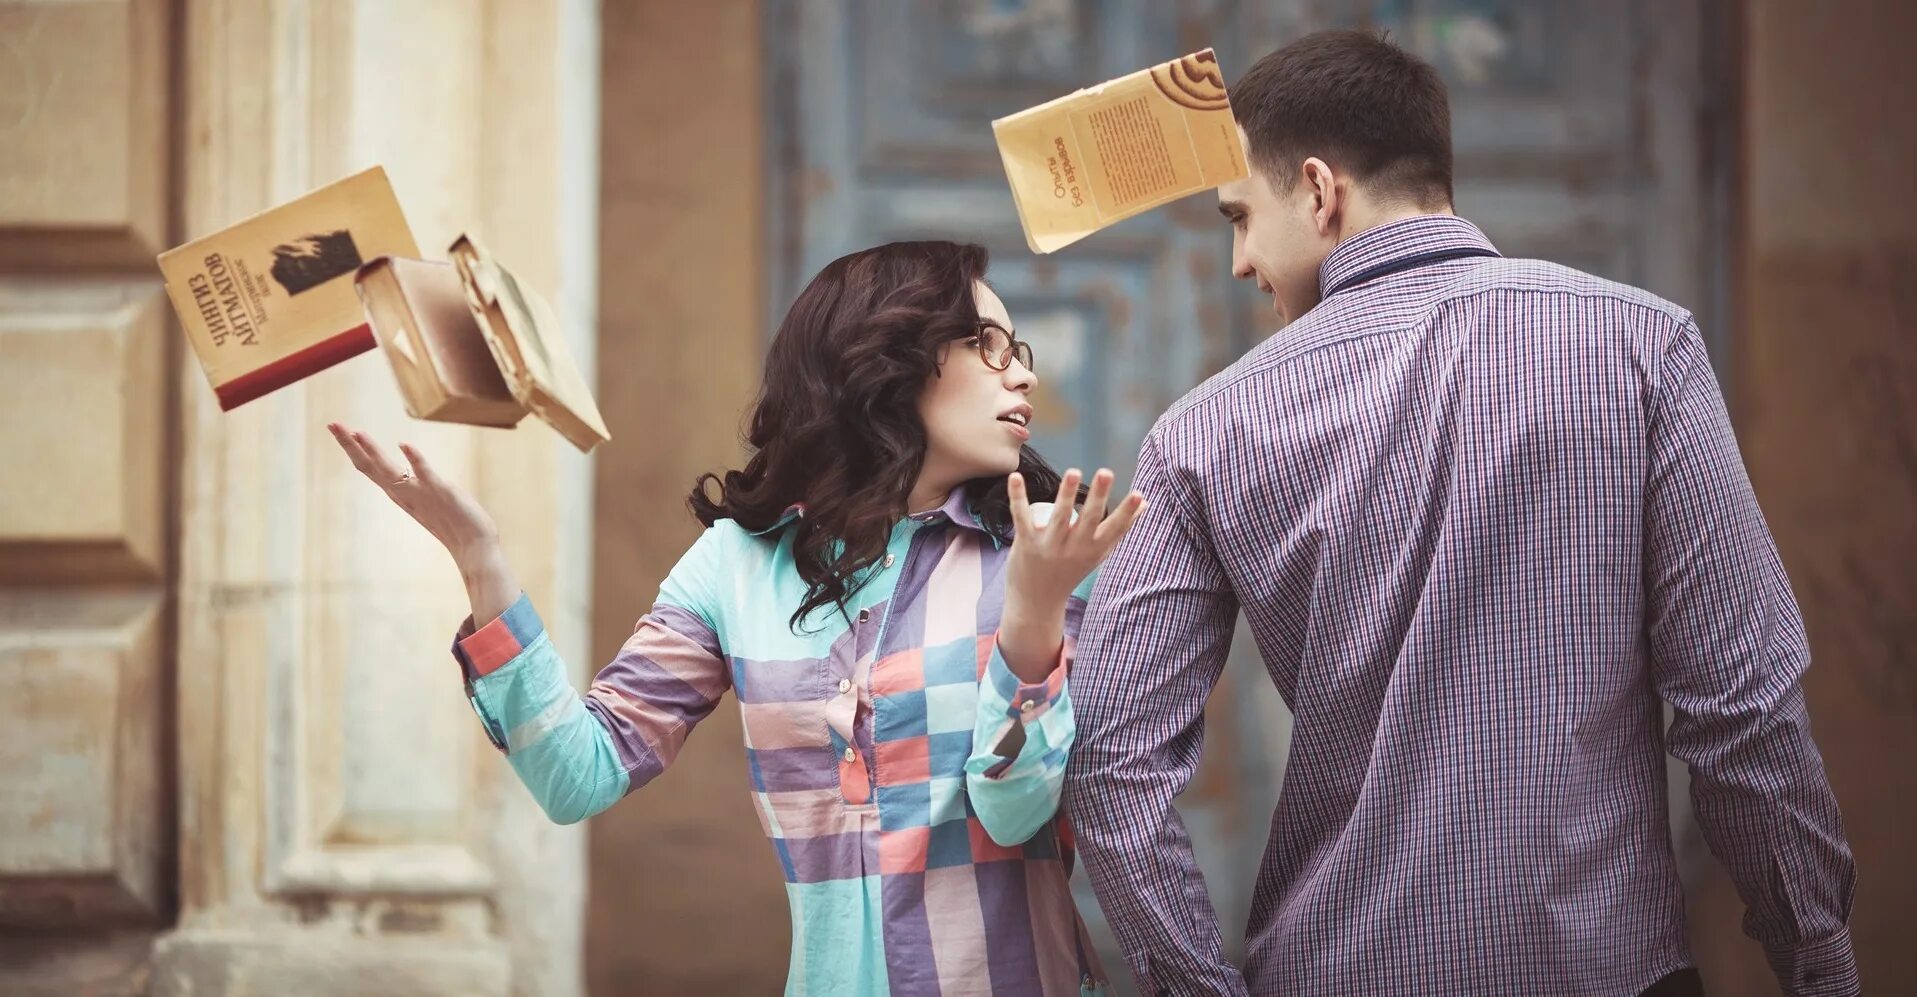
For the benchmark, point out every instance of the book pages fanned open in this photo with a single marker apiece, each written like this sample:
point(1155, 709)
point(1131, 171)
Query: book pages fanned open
point(528, 345)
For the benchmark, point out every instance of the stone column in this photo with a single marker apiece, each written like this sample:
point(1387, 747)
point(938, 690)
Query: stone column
point(344, 826)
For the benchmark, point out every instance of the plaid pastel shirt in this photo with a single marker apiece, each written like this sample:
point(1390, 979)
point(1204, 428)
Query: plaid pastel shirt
point(906, 777)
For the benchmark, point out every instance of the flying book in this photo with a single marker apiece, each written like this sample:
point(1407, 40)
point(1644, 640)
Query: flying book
point(270, 300)
point(1098, 156)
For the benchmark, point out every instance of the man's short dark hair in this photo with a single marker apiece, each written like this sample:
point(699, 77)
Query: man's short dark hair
point(1357, 101)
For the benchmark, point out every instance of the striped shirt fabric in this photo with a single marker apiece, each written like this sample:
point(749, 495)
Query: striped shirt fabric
point(906, 777)
point(1482, 515)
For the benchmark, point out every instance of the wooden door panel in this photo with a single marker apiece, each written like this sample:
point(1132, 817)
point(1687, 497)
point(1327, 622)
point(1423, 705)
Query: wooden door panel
point(83, 133)
point(85, 373)
point(82, 397)
point(80, 779)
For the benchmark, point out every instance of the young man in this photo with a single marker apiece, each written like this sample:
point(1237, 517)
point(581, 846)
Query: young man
point(1482, 514)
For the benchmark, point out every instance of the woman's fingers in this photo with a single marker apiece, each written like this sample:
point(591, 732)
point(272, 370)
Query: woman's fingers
point(1062, 504)
point(1094, 511)
point(354, 452)
point(1120, 521)
point(386, 471)
point(422, 470)
point(1021, 506)
point(414, 485)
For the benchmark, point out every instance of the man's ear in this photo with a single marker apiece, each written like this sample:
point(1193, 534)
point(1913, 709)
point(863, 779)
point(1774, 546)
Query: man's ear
point(1327, 198)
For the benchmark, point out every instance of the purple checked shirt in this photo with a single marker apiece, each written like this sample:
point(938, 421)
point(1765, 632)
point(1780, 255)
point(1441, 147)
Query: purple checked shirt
point(1482, 515)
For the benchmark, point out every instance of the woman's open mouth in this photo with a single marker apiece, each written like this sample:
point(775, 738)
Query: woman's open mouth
point(1020, 420)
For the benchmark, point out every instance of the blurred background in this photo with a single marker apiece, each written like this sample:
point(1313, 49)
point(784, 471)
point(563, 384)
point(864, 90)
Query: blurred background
point(237, 759)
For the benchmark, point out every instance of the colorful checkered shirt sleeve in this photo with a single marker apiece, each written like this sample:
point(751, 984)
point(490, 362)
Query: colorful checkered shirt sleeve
point(1024, 734)
point(1157, 633)
point(1729, 653)
point(579, 755)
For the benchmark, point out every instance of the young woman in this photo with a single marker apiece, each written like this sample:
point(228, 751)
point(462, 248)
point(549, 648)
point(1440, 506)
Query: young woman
point(894, 617)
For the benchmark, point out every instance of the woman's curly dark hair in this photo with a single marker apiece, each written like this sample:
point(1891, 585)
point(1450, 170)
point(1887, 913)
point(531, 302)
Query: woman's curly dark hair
point(836, 427)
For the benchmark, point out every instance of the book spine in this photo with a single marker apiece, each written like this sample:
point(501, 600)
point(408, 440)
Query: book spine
point(294, 366)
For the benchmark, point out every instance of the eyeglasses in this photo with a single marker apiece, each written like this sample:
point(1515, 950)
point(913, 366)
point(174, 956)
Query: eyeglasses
point(998, 348)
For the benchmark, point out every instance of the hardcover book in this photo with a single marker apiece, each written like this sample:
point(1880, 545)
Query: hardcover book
point(439, 356)
point(271, 299)
point(1098, 156)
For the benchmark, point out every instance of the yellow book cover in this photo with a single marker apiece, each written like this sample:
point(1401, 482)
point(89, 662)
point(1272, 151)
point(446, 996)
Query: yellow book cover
point(1098, 156)
point(271, 299)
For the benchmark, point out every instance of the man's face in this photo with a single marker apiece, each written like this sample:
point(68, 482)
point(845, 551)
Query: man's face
point(1276, 239)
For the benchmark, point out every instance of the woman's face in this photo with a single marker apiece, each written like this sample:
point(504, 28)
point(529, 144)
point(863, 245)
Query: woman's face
point(976, 417)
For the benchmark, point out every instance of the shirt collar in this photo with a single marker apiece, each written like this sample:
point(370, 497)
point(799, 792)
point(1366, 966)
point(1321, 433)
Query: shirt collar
point(1398, 240)
point(956, 509)
point(786, 518)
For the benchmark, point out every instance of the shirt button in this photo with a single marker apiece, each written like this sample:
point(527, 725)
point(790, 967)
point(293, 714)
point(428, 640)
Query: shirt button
point(1028, 706)
point(865, 616)
point(889, 559)
point(851, 756)
point(845, 685)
